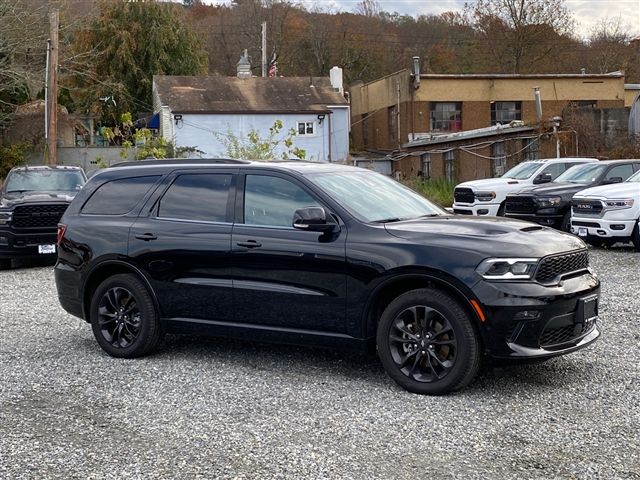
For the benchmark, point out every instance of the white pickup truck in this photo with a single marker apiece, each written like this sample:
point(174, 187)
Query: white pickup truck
point(487, 196)
point(609, 213)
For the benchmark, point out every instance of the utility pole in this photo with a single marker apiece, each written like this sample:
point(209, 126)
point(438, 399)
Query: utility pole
point(264, 49)
point(52, 94)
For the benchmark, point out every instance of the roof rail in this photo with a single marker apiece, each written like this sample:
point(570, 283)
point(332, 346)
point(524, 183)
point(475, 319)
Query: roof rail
point(166, 161)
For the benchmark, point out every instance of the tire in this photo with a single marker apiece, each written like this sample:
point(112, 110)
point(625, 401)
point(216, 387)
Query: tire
point(123, 317)
point(5, 264)
point(635, 236)
point(500, 210)
point(565, 226)
point(406, 329)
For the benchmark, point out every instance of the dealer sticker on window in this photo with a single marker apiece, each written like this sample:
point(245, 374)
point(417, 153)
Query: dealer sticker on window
point(47, 248)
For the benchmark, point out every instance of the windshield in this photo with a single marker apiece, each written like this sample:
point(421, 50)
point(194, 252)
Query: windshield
point(372, 197)
point(522, 171)
point(44, 180)
point(634, 178)
point(587, 173)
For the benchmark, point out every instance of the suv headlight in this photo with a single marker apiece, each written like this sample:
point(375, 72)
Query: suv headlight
point(549, 201)
point(618, 204)
point(508, 268)
point(485, 196)
point(5, 217)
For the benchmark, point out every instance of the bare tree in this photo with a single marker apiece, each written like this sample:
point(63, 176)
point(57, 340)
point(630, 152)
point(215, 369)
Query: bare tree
point(368, 8)
point(519, 33)
point(610, 49)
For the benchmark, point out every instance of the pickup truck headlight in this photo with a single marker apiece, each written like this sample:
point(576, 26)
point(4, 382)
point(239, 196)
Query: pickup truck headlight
point(508, 268)
point(5, 217)
point(618, 204)
point(485, 196)
point(549, 201)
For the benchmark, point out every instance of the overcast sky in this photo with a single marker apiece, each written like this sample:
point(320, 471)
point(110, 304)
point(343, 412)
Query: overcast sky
point(586, 12)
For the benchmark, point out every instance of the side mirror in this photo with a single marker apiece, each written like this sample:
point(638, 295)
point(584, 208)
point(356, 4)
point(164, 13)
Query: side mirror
point(313, 219)
point(542, 178)
point(611, 180)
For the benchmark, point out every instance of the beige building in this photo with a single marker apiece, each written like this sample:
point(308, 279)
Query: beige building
point(631, 92)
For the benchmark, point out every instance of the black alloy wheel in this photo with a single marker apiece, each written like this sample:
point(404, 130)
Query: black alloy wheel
point(427, 343)
point(124, 319)
point(635, 236)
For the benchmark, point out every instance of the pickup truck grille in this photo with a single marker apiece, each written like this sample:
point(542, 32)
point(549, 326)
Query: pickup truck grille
point(38, 216)
point(464, 195)
point(552, 267)
point(519, 204)
point(589, 207)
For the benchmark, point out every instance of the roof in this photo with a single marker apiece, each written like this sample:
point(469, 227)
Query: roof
point(632, 86)
point(469, 134)
point(516, 76)
point(215, 94)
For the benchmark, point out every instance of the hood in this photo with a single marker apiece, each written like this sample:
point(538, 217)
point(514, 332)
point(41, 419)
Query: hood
point(489, 183)
point(8, 200)
point(616, 190)
point(553, 189)
point(485, 237)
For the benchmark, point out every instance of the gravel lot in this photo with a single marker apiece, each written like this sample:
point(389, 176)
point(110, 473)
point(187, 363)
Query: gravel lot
point(206, 408)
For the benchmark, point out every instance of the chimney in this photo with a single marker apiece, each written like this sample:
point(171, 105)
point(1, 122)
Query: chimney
point(243, 66)
point(538, 100)
point(583, 71)
point(415, 72)
point(335, 75)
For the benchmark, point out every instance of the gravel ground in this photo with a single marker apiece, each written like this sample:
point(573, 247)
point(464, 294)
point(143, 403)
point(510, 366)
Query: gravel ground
point(210, 408)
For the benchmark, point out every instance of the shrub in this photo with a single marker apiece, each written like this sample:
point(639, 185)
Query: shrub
point(439, 190)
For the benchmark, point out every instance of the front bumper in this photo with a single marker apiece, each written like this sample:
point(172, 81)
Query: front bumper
point(602, 228)
point(478, 209)
point(26, 244)
point(529, 320)
point(547, 220)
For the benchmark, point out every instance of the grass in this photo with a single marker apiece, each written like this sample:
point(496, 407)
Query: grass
point(439, 191)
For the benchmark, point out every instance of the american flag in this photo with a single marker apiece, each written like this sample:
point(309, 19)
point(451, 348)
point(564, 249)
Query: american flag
point(273, 66)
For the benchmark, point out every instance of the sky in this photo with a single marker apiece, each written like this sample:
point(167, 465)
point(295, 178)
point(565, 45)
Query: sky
point(586, 12)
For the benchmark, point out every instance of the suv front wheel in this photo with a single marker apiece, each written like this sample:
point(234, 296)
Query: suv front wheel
point(427, 344)
point(124, 318)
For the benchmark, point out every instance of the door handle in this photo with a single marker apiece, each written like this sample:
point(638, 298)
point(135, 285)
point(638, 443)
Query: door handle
point(146, 236)
point(249, 244)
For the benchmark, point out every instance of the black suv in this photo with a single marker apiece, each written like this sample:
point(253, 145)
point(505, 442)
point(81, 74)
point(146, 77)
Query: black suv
point(32, 201)
point(320, 254)
point(550, 204)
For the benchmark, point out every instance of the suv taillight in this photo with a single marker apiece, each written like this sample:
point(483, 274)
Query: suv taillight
point(61, 229)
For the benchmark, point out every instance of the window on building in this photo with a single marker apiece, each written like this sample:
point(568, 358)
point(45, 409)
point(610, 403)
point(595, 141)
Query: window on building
point(306, 128)
point(450, 166)
point(583, 103)
point(530, 149)
point(505, 112)
point(425, 161)
point(393, 124)
point(499, 159)
point(446, 116)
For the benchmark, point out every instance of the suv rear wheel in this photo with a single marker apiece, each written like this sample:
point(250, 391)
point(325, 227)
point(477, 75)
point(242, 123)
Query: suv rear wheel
point(427, 344)
point(124, 318)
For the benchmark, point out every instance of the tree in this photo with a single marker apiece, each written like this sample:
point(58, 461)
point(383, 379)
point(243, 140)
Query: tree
point(368, 8)
point(134, 40)
point(610, 49)
point(254, 147)
point(518, 34)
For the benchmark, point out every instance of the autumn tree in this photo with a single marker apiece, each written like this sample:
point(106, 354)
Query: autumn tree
point(519, 34)
point(610, 49)
point(133, 41)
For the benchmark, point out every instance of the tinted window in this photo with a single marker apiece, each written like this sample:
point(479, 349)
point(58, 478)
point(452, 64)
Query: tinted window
point(273, 201)
point(555, 169)
point(622, 171)
point(118, 196)
point(201, 197)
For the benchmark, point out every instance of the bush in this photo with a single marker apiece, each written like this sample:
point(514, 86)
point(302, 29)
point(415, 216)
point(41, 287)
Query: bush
point(11, 156)
point(439, 191)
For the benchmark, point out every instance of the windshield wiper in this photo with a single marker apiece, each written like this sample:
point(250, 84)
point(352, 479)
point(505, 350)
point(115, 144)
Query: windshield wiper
point(389, 220)
point(18, 191)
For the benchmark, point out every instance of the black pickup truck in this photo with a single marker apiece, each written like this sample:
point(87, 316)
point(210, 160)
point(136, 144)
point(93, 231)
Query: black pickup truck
point(32, 201)
point(550, 204)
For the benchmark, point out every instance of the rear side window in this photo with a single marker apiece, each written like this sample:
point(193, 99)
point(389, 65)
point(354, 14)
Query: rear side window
point(198, 197)
point(119, 196)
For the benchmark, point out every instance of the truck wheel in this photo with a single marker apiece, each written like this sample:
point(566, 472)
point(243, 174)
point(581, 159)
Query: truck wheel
point(124, 319)
point(427, 343)
point(501, 210)
point(635, 236)
point(565, 226)
point(5, 264)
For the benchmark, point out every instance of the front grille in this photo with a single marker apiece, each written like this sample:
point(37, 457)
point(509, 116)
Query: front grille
point(464, 195)
point(552, 267)
point(557, 336)
point(585, 224)
point(32, 240)
point(588, 207)
point(519, 204)
point(38, 216)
